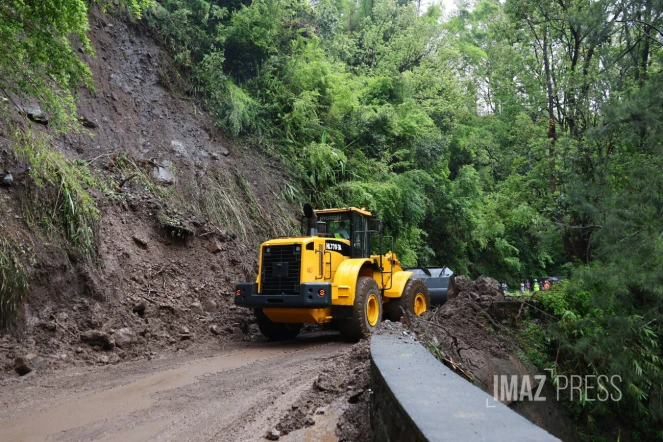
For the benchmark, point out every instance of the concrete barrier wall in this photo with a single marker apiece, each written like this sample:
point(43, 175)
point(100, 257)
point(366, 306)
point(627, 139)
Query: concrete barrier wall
point(417, 398)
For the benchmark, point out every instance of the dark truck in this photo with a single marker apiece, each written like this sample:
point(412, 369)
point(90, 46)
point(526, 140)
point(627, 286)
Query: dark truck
point(436, 279)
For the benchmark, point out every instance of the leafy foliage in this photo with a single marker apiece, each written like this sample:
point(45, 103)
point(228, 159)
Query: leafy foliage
point(13, 276)
point(536, 343)
point(517, 139)
point(38, 57)
point(62, 204)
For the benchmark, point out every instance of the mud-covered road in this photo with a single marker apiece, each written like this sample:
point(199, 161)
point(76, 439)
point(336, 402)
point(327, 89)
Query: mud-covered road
point(237, 393)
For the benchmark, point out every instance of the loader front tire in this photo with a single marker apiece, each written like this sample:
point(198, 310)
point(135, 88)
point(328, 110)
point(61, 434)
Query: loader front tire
point(415, 300)
point(276, 331)
point(366, 311)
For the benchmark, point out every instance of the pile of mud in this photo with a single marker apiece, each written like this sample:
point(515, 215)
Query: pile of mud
point(342, 390)
point(466, 335)
point(475, 334)
point(154, 293)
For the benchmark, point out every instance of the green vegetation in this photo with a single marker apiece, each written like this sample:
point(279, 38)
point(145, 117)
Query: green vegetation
point(175, 227)
point(38, 53)
point(227, 200)
point(59, 208)
point(128, 169)
point(534, 340)
point(61, 204)
point(515, 139)
point(596, 334)
point(13, 275)
point(39, 61)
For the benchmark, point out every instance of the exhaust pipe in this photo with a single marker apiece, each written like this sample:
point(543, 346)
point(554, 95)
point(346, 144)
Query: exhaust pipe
point(311, 220)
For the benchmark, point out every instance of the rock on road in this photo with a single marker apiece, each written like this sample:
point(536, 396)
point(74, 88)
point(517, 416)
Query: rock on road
point(234, 395)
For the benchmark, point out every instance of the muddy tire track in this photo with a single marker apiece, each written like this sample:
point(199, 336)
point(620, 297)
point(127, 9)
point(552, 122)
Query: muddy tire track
point(235, 395)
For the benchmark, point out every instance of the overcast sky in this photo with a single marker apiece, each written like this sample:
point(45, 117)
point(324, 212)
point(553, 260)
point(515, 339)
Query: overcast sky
point(449, 5)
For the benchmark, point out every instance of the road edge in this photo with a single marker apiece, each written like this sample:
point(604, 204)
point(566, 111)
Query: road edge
point(414, 397)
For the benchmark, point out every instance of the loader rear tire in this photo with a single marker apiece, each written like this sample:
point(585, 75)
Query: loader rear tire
point(366, 311)
point(415, 300)
point(276, 331)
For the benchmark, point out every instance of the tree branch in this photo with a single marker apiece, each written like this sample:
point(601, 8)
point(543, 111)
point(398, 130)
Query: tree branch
point(567, 226)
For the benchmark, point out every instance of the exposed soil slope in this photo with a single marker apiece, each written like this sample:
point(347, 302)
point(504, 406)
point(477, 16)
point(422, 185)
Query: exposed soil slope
point(154, 287)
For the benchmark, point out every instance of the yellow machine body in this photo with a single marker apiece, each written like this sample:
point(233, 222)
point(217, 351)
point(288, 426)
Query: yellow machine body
point(325, 259)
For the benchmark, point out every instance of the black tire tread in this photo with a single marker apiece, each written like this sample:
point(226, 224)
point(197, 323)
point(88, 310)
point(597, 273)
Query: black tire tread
point(406, 301)
point(276, 331)
point(357, 327)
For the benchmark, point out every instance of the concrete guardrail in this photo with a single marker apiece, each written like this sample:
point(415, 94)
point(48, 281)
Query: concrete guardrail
point(417, 398)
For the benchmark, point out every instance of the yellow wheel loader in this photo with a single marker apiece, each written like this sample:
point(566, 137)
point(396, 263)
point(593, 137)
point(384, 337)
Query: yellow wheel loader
point(329, 274)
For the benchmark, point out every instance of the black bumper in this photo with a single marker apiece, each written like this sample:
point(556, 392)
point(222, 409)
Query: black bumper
point(309, 296)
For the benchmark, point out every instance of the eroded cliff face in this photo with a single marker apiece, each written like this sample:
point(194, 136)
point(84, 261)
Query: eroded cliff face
point(182, 210)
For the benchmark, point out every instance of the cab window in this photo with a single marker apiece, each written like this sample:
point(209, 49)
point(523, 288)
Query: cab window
point(338, 225)
point(359, 236)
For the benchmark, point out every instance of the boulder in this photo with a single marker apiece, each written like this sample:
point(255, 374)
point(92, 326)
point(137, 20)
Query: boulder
point(124, 338)
point(185, 333)
point(210, 305)
point(140, 240)
point(8, 179)
point(214, 246)
point(488, 286)
point(163, 175)
point(463, 284)
point(87, 122)
point(273, 434)
point(34, 113)
point(100, 338)
point(178, 148)
point(197, 308)
point(24, 364)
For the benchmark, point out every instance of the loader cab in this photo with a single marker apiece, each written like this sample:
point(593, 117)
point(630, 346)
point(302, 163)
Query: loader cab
point(350, 224)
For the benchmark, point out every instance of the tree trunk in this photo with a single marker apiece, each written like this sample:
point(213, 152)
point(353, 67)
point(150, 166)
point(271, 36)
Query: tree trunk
point(552, 123)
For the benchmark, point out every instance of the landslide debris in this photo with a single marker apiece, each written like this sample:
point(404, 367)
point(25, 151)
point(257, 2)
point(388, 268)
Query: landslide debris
point(181, 210)
point(465, 334)
point(343, 387)
point(475, 333)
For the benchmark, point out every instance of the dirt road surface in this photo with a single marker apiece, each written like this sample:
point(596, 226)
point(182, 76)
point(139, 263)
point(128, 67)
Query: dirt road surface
point(234, 394)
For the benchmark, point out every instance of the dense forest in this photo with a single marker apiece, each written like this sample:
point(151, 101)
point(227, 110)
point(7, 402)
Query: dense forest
point(515, 139)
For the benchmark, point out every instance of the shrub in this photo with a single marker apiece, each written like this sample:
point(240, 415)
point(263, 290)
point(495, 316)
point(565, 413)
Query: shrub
point(61, 203)
point(13, 277)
